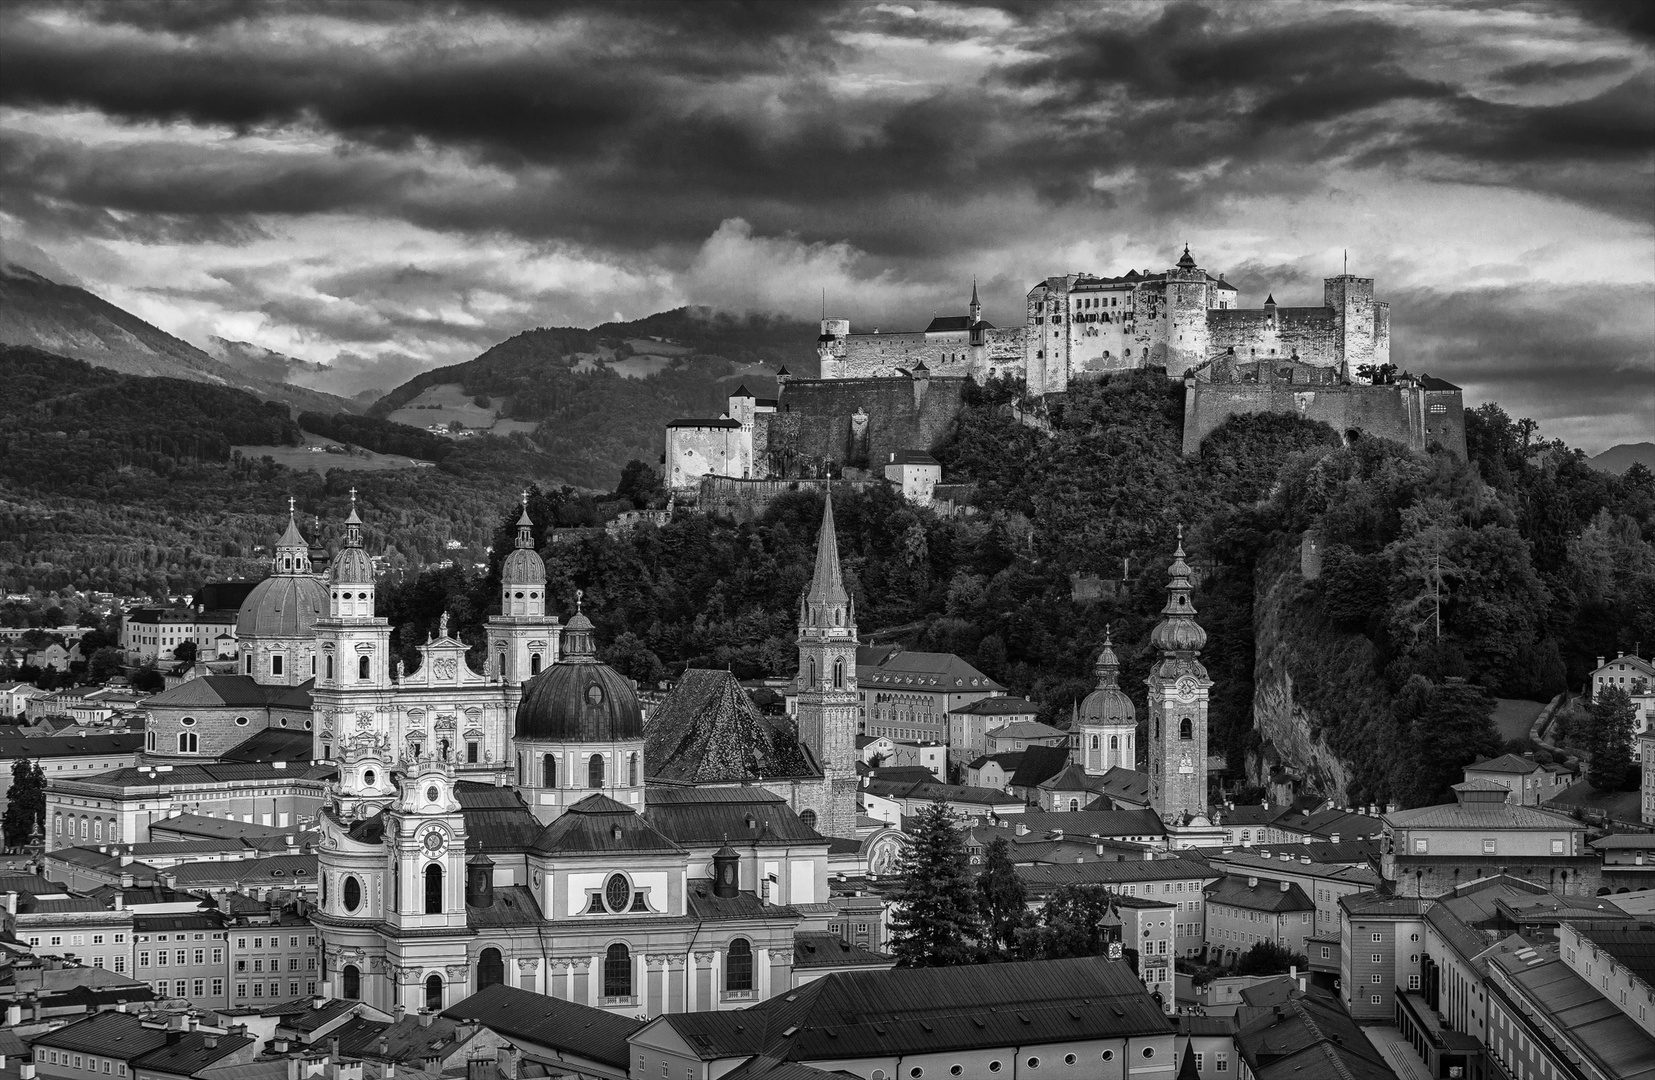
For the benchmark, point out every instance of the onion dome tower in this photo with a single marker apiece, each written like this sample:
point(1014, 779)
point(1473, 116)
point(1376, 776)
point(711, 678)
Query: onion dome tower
point(274, 625)
point(522, 640)
point(1108, 722)
point(1178, 695)
point(579, 730)
point(355, 647)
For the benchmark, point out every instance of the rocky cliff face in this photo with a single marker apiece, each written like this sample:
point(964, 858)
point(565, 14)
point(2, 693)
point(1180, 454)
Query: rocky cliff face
point(1319, 712)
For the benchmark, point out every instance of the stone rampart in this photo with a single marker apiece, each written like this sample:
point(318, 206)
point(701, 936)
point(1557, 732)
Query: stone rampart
point(744, 500)
point(823, 425)
point(1407, 413)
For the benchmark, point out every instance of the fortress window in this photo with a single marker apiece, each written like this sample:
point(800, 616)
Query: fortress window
point(248, 666)
point(433, 889)
point(594, 771)
point(502, 666)
point(471, 753)
point(1114, 742)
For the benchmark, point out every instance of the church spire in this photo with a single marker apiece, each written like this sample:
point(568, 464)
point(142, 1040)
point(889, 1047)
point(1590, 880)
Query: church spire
point(827, 586)
point(1178, 632)
point(1108, 667)
point(525, 527)
point(976, 304)
point(292, 554)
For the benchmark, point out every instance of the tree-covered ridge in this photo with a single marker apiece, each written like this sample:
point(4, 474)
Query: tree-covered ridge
point(380, 436)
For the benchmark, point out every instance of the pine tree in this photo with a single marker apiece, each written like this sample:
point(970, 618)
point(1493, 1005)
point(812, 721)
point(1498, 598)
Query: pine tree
point(936, 919)
point(1269, 958)
point(1003, 898)
point(1071, 923)
point(26, 803)
point(1610, 723)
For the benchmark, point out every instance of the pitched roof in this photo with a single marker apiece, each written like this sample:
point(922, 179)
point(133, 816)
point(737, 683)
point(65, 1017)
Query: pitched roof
point(941, 323)
point(700, 816)
point(273, 872)
point(191, 1052)
point(551, 1022)
point(1309, 1036)
point(229, 692)
point(273, 744)
point(208, 773)
point(912, 457)
point(1506, 763)
point(1027, 729)
point(1616, 1044)
point(831, 950)
point(1042, 877)
point(1633, 946)
point(1481, 815)
point(496, 818)
point(599, 823)
point(1072, 778)
point(1330, 821)
point(689, 422)
point(923, 671)
point(1000, 705)
point(217, 828)
point(1040, 763)
point(108, 1034)
point(1268, 895)
point(1099, 823)
point(13, 747)
point(932, 1010)
point(707, 730)
point(827, 585)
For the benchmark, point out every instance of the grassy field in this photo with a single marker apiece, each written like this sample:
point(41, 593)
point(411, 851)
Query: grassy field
point(320, 461)
point(444, 404)
point(1514, 717)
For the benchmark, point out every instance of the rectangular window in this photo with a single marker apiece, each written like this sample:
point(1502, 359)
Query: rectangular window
point(1421, 845)
point(120, 938)
point(199, 989)
point(1222, 1062)
point(1379, 937)
point(143, 959)
point(120, 964)
point(97, 939)
point(1488, 847)
point(1377, 958)
point(97, 961)
point(218, 956)
point(241, 965)
point(258, 989)
point(182, 987)
point(1376, 999)
point(258, 943)
point(1413, 982)
point(218, 988)
point(241, 990)
point(1374, 979)
point(181, 954)
point(201, 956)
point(258, 965)
point(1557, 847)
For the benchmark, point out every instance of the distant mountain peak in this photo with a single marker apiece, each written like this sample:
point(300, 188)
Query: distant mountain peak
point(1617, 459)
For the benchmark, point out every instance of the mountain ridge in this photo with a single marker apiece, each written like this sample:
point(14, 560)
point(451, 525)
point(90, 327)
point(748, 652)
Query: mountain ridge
point(66, 320)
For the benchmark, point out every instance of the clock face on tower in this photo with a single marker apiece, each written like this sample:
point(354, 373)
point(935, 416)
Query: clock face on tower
point(1186, 689)
point(434, 841)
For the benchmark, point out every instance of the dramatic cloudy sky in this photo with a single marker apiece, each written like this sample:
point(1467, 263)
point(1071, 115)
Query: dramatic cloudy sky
point(389, 185)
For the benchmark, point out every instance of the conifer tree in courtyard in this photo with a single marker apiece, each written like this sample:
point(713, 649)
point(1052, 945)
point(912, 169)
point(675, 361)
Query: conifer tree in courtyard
point(26, 803)
point(936, 920)
point(1610, 726)
point(1004, 899)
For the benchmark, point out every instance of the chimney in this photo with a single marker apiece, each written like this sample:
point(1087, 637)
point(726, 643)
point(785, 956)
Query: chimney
point(127, 881)
point(120, 901)
point(210, 1041)
point(11, 903)
point(25, 1071)
point(1334, 838)
point(384, 1046)
point(399, 1012)
point(506, 1061)
point(278, 1045)
point(479, 1068)
point(1022, 829)
point(190, 1022)
point(1286, 885)
point(425, 1018)
point(293, 1068)
point(14, 1015)
point(1100, 849)
point(1252, 883)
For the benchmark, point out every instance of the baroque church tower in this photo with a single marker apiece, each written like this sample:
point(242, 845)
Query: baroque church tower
point(1108, 723)
point(522, 640)
point(1178, 691)
point(353, 692)
point(827, 679)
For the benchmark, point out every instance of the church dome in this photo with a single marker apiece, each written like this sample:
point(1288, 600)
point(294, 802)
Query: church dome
point(523, 567)
point(281, 607)
point(579, 701)
point(352, 566)
point(1108, 704)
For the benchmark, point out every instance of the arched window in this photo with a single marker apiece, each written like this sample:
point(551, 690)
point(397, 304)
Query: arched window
point(442, 749)
point(433, 889)
point(502, 668)
point(247, 667)
point(807, 818)
point(362, 667)
point(1074, 805)
point(188, 743)
point(57, 824)
point(350, 982)
point(329, 666)
point(838, 674)
point(149, 740)
point(632, 770)
point(738, 965)
point(811, 681)
point(534, 663)
point(1094, 742)
point(548, 771)
point(617, 972)
point(594, 771)
point(1185, 729)
point(491, 969)
point(97, 830)
point(85, 829)
point(353, 894)
point(433, 994)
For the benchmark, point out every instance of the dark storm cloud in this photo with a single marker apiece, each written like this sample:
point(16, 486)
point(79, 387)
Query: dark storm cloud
point(661, 120)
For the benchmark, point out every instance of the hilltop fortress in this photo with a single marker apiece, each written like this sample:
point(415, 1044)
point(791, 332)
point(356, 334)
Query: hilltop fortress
point(881, 393)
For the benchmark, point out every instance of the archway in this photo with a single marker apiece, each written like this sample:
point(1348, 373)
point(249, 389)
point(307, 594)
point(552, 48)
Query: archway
point(491, 968)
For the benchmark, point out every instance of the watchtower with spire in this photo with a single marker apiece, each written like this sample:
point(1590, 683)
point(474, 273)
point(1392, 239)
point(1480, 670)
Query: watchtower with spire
point(522, 639)
point(1178, 694)
point(827, 680)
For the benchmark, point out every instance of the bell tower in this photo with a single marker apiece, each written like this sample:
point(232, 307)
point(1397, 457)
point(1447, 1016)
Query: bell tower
point(522, 639)
point(425, 911)
point(1178, 691)
point(353, 690)
point(827, 679)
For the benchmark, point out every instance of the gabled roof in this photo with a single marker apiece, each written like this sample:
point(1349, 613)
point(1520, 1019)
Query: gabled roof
point(931, 1010)
point(209, 773)
point(997, 706)
point(1267, 895)
point(274, 872)
point(273, 744)
point(1043, 877)
point(192, 1052)
point(1027, 729)
point(551, 1022)
point(1100, 823)
point(1039, 764)
point(942, 323)
point(1480, 815)
point(707, 730)
point(912, 457)
point(1309, 1036)
point(1072, 778)
point(831, 950)
point(217, 828)
point(1506, 763)
point(496, 818)
point(13, 747)
point(599, 823)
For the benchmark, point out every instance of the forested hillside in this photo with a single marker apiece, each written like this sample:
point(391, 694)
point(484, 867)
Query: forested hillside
point(593, 418)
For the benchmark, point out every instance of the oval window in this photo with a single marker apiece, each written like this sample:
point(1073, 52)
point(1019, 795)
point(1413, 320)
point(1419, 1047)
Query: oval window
point(594, 694)
point(1034, 1063)
point(617, 892)
point(353, 894)
point(1149, 1051)
point(241, 721)
point(432, 794)
point(307, 725)
point(368, 777)
point(994, 1066)
point(1068, 1059)
point(188, 721)
point(1109, 1055)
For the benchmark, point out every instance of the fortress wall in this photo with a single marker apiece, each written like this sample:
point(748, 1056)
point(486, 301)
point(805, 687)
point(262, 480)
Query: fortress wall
point(831, 423)
point(744, 500)
point(1390, 412)
point(692, 453)
point(877, 355)
point(1310, 331)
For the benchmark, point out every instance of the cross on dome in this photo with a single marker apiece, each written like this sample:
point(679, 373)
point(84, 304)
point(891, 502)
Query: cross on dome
point(292, 505)
point(579, 595)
